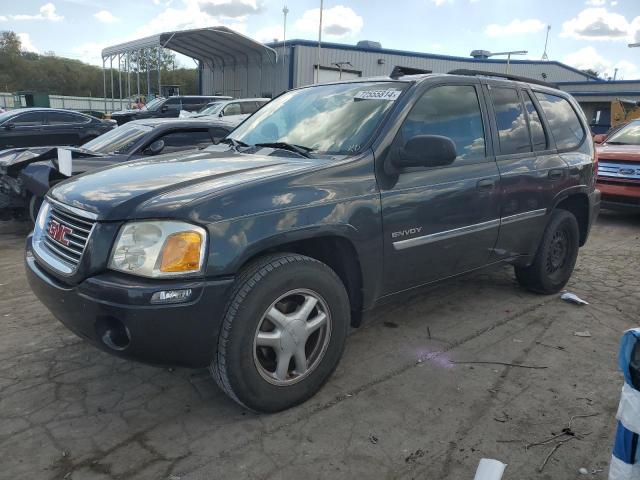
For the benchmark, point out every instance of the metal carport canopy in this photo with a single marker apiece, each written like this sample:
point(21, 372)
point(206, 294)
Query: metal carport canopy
point(214, 43)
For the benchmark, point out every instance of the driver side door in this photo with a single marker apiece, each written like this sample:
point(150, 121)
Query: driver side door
point(442, 221)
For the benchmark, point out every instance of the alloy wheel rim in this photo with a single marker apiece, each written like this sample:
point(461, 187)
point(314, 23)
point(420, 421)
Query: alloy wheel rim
point(292, 337)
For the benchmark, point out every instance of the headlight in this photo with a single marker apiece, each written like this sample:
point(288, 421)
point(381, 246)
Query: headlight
point(159, 249)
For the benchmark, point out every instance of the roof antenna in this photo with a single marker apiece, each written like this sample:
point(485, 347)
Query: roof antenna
point(546, 41)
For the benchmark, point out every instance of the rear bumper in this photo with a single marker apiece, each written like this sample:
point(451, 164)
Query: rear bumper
point(182, 334)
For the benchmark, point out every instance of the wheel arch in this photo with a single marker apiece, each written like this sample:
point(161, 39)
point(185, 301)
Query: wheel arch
point(576, 201)
point(332, 248)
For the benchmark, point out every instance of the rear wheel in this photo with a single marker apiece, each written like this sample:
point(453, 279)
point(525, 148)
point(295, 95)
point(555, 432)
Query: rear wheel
point(556, 256)
point(283, 332)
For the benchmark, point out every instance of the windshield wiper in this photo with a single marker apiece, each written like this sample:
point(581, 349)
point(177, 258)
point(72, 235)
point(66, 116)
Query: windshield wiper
point(233, 142)
point(617, 143)
point(299, 149)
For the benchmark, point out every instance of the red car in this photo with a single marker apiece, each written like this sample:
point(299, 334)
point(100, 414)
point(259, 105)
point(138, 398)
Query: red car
point(619, 168)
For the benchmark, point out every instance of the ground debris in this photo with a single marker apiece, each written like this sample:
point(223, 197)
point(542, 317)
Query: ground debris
point(573, 298)
point(413, 457)
point(585, 334)
point(537, 367)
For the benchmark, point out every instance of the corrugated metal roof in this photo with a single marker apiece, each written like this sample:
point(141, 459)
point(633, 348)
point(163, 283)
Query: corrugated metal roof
point(216, 44)
point(432, 56)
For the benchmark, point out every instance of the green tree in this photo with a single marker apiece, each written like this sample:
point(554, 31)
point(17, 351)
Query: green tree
point(10, 43)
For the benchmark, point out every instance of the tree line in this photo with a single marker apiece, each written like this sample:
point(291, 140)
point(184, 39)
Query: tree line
point(21, 70)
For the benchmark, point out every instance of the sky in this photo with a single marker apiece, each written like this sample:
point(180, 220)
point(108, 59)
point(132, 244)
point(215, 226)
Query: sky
point(584, 33)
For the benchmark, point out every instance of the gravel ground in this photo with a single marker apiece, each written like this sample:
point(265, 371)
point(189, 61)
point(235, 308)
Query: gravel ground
point(402, 404)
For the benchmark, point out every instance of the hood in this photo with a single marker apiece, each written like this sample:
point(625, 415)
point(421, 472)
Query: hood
point(630, 153)
point(159, 186)
point(15, 159)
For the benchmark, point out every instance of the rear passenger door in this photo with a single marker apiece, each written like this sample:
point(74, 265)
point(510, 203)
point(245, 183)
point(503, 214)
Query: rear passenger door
point(531, 171)
point(441, 221)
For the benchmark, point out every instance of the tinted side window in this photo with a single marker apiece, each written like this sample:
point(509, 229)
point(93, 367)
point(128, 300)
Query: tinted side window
point(61, 118)
point(563, 120)
point(512, 126)
point(452, 111)
point(538, 135)
point(186, 139)
point(232, 109)
point(29, 119)
point(173, 104)
point(219, 132)
point(248, 107)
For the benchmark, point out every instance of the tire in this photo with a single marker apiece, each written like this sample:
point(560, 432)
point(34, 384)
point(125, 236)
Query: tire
point(251, 364)
point(556, 256)
point(35, 203)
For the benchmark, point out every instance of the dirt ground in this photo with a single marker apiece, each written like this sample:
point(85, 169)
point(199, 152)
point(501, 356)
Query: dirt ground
point(402, 404)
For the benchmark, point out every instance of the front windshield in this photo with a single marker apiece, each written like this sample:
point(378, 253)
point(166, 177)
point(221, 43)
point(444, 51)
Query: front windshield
point(118, 140)
point(629, 135)
point(211, 109)
point(153, 104)
point(336, 119)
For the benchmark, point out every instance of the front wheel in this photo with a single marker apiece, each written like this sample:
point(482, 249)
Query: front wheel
point(283, 332)
point(556, 256)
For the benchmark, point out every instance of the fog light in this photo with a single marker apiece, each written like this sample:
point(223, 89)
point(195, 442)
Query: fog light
point(171, 296)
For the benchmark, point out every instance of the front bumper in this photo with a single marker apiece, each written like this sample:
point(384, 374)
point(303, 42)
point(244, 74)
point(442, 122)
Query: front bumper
point(620, 196)
point(182, 334)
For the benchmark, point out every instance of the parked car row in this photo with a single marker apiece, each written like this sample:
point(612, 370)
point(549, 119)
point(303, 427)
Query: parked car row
point(28, 127)
point(226, 108)
point(26, 174)
point(169, 107)
point(253, 257)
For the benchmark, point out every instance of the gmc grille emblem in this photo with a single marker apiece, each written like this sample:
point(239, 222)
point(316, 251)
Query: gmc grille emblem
point(59, 232)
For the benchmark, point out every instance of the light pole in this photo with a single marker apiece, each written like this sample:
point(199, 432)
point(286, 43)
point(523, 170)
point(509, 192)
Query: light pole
point(285, 10)
point(319, 42)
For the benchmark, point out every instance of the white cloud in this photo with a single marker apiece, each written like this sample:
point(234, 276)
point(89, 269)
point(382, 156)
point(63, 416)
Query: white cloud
point(230, 8)
point(439, 3)
point(516, 27)
point(338, 21)
point(90, 52)
point(600, 24)
point(588, 58)
point(47, 12)
point(105, 16)
point(596, 3)
point(269, 34)
point(3, 18)
point(27, 44)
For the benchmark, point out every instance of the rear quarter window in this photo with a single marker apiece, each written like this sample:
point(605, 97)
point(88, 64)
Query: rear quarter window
point(563, 120)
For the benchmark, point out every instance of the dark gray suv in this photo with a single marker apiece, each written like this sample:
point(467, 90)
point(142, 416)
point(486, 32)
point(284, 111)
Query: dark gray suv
point(253, 257)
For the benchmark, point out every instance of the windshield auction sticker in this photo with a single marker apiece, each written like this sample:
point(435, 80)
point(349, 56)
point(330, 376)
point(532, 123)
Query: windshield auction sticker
point(388, 94)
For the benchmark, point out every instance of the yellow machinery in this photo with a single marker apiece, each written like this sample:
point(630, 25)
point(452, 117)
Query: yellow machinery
point(623, 111)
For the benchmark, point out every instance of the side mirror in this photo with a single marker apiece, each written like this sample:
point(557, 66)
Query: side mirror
point(156, 147)
point(164, 108)
point(221, 114)
point(426, 151)
point(600, 138)
point(9, 126)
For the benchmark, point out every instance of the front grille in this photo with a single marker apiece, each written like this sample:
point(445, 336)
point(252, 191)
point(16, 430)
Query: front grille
point(66, 235)
point(613, 169)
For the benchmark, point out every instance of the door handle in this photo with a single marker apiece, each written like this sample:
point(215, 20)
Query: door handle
point(556, 173)
point(486, 184)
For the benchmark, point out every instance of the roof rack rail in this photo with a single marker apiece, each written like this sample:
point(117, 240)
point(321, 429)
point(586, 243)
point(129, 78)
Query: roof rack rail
point(508, 76)
point(398, 71)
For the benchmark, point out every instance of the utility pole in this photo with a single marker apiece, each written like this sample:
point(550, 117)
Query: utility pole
point(285, 10)
point(340, 65)
point(319, 42)
point(546, 41)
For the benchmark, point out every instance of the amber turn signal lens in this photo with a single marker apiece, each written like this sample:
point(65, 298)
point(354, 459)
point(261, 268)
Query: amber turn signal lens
point(181, 252)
